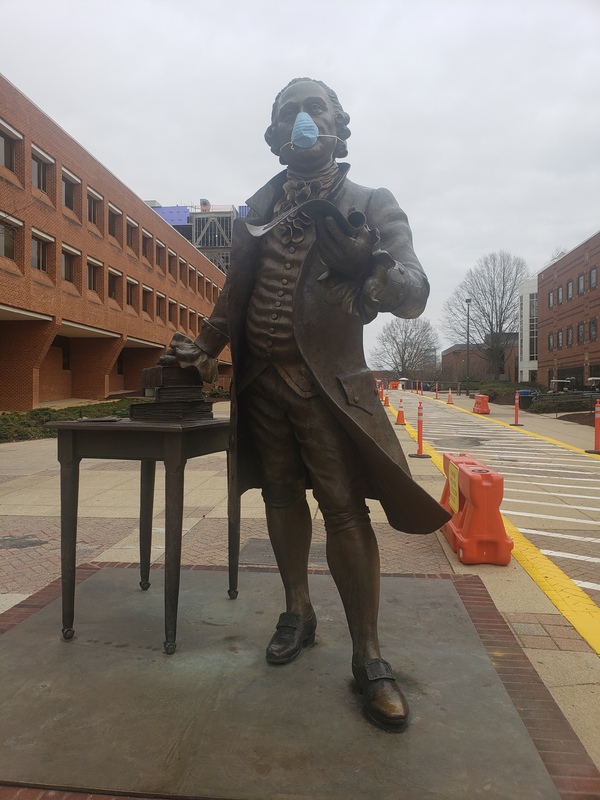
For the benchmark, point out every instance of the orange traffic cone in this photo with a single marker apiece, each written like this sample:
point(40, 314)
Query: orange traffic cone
point(400, 418)
point(386, 400)
point(450, 401)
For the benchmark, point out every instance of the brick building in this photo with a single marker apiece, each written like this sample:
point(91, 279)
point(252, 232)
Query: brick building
point(93, 283)
point(454, 362)
point(568, 311)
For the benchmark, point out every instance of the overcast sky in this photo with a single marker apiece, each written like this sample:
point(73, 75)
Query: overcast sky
point(481, 116)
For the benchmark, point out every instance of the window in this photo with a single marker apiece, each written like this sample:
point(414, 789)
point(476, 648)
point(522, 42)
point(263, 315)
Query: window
point(68, 267)
point(559, 340)
point(7, 241)
point(146, 299)
point(559, 295)
point(172, 265)
point(533, 327)
point(593, 277)
point(7, 152)
point(580, 283)
point(183, 317)
point(94, 208)
point(182, 271)
point(69, 191)
point(550, 341)
point(65, 345)
point(115, 223)
point(570, 336)
point(593, 330)
point(172, 312)
point(132, 235)
point(39, 254)
point(550, 299)
point(192, 279)
point(580, 333)
point(146, 246)
point(11, 150)
point(39, 174)
point(131, 294)
point(160, 306)
point(160, 255)
point(201, 284)
point(115, 290)
point(569, 290)
point(93, 277)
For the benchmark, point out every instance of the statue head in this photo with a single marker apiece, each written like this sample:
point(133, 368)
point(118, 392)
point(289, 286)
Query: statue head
point(321, 104)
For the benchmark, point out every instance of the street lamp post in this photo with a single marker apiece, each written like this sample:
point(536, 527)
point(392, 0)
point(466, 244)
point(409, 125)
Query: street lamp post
point(468, 302)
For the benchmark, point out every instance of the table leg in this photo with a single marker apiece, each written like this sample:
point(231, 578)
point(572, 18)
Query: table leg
point(174, 471)
point(148, 473)
point(69, 495)
point(233, 531)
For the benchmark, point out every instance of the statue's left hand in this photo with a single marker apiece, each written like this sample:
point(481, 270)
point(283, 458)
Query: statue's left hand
point(350, 255)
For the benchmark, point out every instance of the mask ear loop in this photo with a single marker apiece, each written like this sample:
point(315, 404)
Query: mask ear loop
point(320, 136)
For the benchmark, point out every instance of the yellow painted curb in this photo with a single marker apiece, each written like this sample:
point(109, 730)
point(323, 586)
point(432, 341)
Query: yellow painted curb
point(572, 602)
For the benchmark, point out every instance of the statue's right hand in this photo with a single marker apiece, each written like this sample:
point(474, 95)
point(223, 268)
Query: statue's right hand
point(183, 351)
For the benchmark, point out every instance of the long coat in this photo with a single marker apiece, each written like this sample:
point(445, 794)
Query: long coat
point(329, 338)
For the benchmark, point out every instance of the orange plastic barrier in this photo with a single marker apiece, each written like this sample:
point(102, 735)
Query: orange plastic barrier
point(473, 494)
point(481, 404)
point(394, 385)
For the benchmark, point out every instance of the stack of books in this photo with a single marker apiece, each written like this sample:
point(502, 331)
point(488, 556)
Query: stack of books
point(178, 396)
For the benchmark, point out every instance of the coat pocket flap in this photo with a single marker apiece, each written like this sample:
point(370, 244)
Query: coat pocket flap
point(360, 390)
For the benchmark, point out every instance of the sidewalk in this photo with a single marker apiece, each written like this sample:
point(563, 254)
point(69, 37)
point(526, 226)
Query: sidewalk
point(108, 512)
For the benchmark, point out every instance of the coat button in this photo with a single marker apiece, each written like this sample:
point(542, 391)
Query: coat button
point(356, 399)
point(274, 316)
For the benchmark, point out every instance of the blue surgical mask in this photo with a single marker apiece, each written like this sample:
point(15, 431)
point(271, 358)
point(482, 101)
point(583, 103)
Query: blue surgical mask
point(304, 133)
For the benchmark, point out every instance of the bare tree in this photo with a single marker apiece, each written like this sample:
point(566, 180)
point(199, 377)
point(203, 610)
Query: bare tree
point(492, 285)
point(407, 347)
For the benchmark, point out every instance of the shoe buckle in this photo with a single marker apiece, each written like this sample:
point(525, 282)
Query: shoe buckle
point(377, 669)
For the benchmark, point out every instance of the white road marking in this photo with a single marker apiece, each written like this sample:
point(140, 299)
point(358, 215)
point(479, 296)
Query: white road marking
point(510, 513)
point(554, 494)
point(573, 556)
point(588, 585)
point(590, 539)
point(550, 505)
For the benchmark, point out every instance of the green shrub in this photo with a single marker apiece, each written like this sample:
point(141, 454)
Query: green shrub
point(16, 426)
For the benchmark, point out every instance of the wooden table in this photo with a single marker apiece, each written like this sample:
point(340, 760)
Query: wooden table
point(147, 442)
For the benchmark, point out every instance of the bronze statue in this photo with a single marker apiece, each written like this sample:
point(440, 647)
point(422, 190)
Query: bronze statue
point(317, 258)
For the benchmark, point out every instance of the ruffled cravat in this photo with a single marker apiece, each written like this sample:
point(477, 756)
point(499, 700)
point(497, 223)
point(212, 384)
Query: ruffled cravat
point(298, 189)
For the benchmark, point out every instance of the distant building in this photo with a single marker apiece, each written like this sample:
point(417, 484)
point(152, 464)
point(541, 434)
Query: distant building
point(93, 283)
point(568, 311)
point(528, 330)
point(454, 362)
point(207, 227)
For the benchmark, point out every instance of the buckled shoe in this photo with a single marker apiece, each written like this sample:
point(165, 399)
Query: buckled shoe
point(292, 634)
point(384, 702)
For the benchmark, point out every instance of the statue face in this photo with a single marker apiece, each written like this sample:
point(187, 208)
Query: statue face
point(312, 99)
